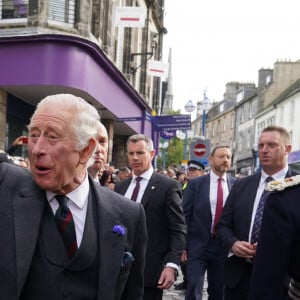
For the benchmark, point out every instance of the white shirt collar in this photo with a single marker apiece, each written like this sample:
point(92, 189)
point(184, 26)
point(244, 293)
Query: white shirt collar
point(277, 176)
point(215, 177)
point(146, 175)
point(77, 196)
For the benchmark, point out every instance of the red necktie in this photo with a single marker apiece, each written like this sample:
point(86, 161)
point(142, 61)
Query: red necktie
point(65, 224)
point(219, 205)
point(136, 189)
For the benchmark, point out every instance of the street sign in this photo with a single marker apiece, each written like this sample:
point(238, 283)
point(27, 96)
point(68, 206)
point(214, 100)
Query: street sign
point(172, 122)
point(168, 134)
point(158, 68)
point(199, 149)
point(130, 16)
point(129, 119)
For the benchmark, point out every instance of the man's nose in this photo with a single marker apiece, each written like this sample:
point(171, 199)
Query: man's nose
point(38, 146)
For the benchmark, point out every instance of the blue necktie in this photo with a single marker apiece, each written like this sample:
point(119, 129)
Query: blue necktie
point(259, 214)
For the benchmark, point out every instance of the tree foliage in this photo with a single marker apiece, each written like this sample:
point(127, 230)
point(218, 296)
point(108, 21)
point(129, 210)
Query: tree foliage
point(174, 153)
point(175, 150)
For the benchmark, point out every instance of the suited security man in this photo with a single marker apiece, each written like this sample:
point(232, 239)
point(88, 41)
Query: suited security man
point(239, 216)
point(202, 210)
point(195, 169)
point(106, 258)
point(161, 198)
point(277, 256)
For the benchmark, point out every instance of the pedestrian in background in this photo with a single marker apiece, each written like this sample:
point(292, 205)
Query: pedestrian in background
point(99, 158)
point(195, 169)
point(161, 198)
point(203, 202)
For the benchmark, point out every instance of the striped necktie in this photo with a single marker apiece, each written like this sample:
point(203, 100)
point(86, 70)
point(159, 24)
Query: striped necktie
point(259, 213)
point(65, 224)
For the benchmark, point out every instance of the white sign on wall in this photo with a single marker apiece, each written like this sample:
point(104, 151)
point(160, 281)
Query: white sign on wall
point(130, 16)
point(158, 68)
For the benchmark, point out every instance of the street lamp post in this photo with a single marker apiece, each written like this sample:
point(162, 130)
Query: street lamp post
point(204, 106)
point(189, 107)
point(163, 146)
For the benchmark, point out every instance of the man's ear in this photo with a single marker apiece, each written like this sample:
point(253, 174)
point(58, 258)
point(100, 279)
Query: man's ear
point(88, 151)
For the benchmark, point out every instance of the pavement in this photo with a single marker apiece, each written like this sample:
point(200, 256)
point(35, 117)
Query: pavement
point(173, 294)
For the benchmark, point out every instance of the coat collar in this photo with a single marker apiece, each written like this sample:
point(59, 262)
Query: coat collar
point(111, 245)
point(28, 208)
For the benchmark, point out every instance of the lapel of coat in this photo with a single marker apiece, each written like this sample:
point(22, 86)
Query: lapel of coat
point(206, 188)
point(230, 182)
point(28, 207)
point(111, 245)
point(122, 186)
point(151, 187)
point(249, 194)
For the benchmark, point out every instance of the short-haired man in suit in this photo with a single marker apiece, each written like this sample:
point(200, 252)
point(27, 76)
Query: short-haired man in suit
point(202, 205)
point(161, 198)
point(62, 235)
point(124, 173)
point(277, 257)
point(239, 225)
point(195, 169)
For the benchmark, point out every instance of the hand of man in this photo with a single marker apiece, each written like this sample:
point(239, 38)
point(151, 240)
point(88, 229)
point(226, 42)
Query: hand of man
point(243, 249)
point(167, 278)
point(183, 258)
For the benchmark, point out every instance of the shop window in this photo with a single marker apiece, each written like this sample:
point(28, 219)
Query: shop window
point(62, 11)
point(13, 9)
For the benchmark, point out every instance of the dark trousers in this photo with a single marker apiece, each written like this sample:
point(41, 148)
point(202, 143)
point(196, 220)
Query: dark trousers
point(152, 293)
point(183, 271)
point(211, 262)
point(241, 291)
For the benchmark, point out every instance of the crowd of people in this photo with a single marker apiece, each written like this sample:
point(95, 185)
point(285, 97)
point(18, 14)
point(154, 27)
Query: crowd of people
point(74, 226)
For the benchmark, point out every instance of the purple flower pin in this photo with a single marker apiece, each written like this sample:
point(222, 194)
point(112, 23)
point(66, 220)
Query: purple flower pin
point(119, 230)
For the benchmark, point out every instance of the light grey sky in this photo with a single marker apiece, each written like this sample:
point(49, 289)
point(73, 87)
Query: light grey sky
point(215, 41)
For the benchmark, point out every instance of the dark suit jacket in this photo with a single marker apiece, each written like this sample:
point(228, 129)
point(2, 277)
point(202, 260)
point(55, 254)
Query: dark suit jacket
point(165, 224)
point(278, 252)
point(21, 209)
point(235, 222)
point(197, 211)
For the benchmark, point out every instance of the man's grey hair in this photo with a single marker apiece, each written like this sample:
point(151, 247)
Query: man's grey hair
point(141, 137)
point(84, 122)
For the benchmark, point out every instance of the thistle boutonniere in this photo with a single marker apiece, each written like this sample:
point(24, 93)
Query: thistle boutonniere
point(280, 185)
point(119, 230)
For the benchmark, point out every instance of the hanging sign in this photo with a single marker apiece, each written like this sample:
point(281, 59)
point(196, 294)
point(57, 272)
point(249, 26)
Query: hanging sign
point(158, 68)
point(130, 16)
